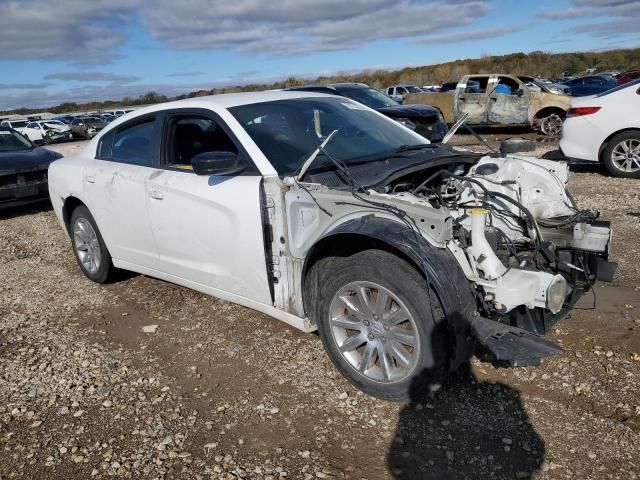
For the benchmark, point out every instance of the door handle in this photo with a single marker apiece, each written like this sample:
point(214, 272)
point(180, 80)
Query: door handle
point(156, 194)
point(495, 99)
point(90, 179)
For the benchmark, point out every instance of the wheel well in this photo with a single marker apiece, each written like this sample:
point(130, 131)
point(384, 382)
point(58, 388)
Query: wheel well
point(608, 139)
point(546, 111)
point(340, 245)
point(70, 204)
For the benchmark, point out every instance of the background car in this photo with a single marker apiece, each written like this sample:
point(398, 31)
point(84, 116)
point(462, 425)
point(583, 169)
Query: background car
point(47, 131)
point(590, 85)
point(423, 119)
point(606, 128)
point(17, 125)
point(23, 169)
point(472, 87)
point(398, 92)
point(626, 77)
point(87, 127)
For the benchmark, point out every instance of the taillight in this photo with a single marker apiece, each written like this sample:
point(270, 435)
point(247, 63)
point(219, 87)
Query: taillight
point(581, 111)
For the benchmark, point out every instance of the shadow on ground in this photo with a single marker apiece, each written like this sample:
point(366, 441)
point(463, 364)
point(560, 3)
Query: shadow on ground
point(469, 429)
point(27, 209)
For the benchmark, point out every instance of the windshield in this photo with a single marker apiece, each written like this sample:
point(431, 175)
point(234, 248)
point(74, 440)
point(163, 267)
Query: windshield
point(93, 121)
point(13, 142)
point(288, 131)
point(370, 97)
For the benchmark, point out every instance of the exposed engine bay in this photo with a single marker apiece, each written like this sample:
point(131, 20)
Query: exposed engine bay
point(517, 234)
point(528, 250)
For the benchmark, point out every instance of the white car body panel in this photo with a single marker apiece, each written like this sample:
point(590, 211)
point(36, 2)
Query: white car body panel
point(119, 187)
point(209, 230)
point(583, 137)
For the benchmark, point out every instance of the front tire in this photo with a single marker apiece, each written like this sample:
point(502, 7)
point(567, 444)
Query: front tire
point(88, 246)
point(381, 325)
point(551, 125)
point(621, 156)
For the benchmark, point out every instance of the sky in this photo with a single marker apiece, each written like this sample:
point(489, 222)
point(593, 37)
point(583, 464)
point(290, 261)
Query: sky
point(53, 51)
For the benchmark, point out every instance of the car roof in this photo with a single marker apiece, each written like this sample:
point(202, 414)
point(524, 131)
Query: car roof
point(228, 100)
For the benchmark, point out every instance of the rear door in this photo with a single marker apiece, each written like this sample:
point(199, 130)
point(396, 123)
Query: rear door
point(509, 101)
point(208, 228)
point(116, 192)
point(472, 102)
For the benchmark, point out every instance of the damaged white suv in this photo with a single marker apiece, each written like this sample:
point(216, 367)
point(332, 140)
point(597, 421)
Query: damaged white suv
point(407, 257)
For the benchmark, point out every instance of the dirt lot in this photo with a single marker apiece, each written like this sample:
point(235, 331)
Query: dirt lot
point(219, 391)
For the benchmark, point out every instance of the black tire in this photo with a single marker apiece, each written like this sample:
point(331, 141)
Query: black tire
point(105, 270)
point(608, 153)
point(404, 282)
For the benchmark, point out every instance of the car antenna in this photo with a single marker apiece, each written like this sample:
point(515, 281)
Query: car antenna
point(314, 154)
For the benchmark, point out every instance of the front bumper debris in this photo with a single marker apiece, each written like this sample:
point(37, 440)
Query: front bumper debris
point(508, 346)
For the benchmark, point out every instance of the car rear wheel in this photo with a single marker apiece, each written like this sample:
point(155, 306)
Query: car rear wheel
point(621, 156)
point(89, 247)
point(551, 125)
point(381, 325)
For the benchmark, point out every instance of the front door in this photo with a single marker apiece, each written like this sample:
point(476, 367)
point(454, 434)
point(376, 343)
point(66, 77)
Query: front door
point(473, 101)
point(115, 187)
point(208, 228)
point(509, 101)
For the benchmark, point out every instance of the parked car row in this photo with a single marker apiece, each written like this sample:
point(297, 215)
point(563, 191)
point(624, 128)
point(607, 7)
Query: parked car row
point(64, 127)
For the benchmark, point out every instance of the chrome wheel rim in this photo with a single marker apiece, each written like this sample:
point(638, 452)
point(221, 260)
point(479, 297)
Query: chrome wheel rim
point(374, 332)
point(551, 125)
point(625, 156)
point(87, 245)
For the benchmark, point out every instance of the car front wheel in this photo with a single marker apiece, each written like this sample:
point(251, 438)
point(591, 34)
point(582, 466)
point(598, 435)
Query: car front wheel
point(89, 247)
point(621, 156)
point(380, 324)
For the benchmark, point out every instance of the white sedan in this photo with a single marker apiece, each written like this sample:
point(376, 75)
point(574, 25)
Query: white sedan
point(407, 257)
point(606, 128)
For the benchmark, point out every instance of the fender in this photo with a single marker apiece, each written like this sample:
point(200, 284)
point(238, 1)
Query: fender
point(438, 267)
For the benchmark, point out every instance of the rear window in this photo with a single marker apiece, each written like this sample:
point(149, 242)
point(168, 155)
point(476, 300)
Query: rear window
point(635, 83)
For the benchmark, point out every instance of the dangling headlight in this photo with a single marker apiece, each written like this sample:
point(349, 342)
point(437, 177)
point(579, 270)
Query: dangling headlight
point(556, 294)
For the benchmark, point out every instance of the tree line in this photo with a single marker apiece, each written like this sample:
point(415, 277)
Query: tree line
point(538, 63)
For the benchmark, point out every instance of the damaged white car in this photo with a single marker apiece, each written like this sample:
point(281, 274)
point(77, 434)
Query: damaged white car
point(407, 257)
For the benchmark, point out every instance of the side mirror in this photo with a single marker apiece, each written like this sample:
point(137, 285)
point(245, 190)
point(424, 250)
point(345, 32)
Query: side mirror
point(520, 92)
point(217, 163)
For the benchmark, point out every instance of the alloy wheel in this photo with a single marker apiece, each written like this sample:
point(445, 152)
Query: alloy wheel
point(87, 245)
point(625, 156)
point(374, 331)
point(551, 125)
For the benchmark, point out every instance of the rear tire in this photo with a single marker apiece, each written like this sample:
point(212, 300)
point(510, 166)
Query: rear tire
point(551, 125)
point(88, 246)
point(621, 156)
point(381, 325)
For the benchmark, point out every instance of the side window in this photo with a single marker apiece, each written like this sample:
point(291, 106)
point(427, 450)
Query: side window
point(482, 82)
point(191, 135)
point(32, 125)
point(507, 86)
point(133, 144)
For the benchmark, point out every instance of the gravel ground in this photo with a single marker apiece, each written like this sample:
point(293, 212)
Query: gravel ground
point(213, 390)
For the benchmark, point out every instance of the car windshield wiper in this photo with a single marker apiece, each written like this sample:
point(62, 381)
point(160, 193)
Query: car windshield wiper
point(417, 146)
point(307, 163)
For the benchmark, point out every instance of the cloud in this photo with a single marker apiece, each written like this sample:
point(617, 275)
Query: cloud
point(622, 17)
point(479, 34)
point(301, 26)
point(22, 86)
point(84, 32)
point(83, 76)
point(185, 74)
point(92, 32)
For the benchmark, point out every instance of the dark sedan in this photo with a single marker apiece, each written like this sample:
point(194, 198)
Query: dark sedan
point(423, 119)
point(87, 127)
point(23, 169)
point(591, 85)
